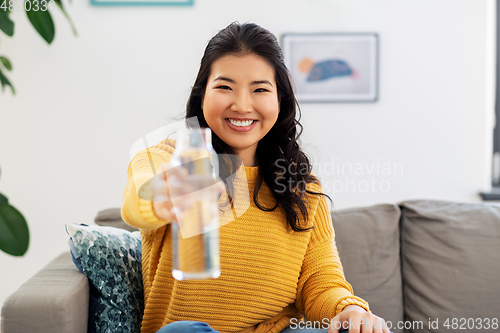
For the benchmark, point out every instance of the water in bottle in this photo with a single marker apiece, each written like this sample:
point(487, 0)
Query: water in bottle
point(195, 234)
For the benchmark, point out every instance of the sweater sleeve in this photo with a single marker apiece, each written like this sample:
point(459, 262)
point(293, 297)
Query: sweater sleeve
point(323, 291)
point(136, 211)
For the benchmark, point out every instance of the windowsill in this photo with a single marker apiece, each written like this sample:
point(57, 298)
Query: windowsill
point(493, 195)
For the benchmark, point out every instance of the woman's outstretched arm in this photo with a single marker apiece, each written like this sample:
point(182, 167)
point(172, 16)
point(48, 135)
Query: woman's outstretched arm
point(138, 207)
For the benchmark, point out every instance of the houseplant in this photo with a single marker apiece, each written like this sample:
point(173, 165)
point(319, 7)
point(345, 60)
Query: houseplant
point(38, 12)
point(14, 234)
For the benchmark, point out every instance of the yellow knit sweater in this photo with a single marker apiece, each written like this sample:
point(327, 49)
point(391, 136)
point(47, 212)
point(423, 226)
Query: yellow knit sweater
point(269, 273)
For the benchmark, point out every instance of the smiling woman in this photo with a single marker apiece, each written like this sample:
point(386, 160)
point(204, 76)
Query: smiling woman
point(278, 258)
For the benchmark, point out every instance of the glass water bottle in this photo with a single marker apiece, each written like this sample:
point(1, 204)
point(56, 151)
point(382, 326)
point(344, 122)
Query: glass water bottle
point(195, 236)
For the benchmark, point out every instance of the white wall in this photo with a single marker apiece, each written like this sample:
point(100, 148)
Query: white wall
point(82, 102)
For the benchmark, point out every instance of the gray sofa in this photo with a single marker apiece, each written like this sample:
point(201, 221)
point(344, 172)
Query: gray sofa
point(423, 265)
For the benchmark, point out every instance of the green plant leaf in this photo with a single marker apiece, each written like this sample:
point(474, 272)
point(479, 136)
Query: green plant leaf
point(6, 25)
point(6, 63)
point(41, 21)
point(3, 200)
point(14, 233)
point(60, 5)
point(5, 82)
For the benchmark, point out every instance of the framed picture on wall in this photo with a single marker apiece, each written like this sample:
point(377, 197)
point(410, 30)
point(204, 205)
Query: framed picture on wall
point(143, 2)
point(333, 67)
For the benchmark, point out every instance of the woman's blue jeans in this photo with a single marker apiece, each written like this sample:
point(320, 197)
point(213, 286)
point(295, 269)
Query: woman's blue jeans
point(200, 327)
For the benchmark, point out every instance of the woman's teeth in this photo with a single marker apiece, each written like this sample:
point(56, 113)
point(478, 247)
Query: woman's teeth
point(241, 123)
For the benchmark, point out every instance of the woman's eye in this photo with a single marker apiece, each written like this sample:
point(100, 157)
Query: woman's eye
point(224, 87)
point(260, 90)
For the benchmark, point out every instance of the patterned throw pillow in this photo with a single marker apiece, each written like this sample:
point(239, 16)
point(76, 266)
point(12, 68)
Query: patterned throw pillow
point(111, 260)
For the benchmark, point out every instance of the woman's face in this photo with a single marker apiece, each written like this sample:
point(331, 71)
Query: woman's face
point(241, 102)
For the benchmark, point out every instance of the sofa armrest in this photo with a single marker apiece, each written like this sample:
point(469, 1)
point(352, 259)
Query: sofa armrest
point(55, 299)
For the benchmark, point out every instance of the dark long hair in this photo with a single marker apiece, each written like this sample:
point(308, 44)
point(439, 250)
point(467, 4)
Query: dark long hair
point(282, 164)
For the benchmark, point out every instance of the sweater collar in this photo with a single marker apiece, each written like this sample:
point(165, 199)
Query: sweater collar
point(252, 173)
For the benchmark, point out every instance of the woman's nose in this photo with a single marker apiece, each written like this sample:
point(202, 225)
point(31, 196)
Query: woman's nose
point(242, 103)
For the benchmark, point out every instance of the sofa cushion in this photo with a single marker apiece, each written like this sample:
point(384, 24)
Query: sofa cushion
point(112, 217)
point(111, 259)
point(368, 243)
point(450, 264)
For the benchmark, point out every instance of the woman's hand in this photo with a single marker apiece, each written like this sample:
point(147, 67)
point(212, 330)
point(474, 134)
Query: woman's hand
point(164, 191)
point(162, 201)
point(357, 320)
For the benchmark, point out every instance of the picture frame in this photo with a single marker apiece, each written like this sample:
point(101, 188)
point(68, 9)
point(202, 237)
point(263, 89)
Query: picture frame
point(142, 3)
point(333, 67)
